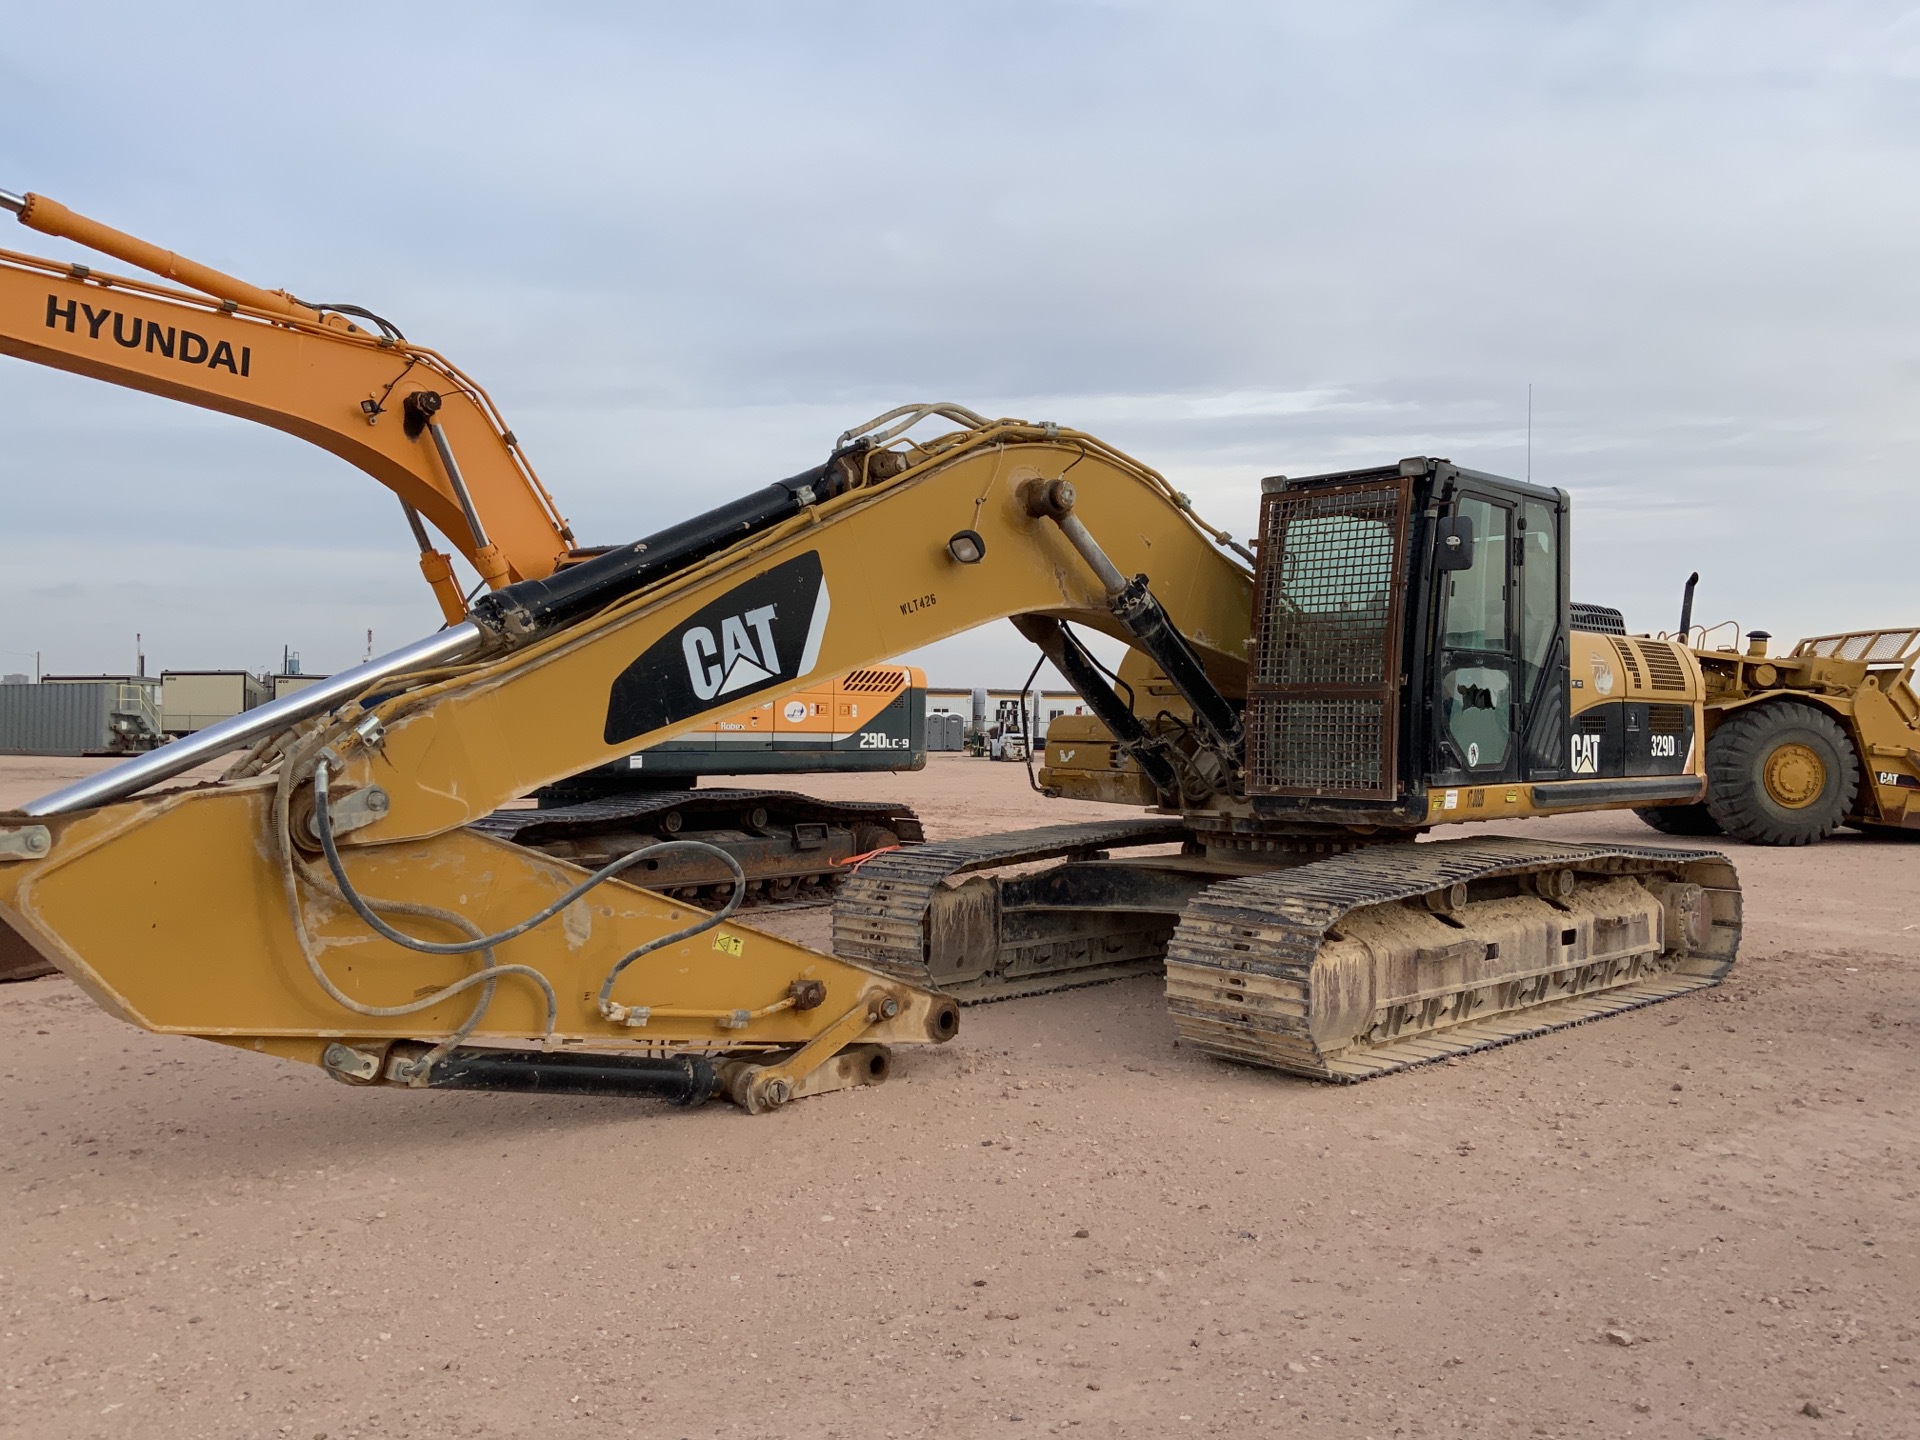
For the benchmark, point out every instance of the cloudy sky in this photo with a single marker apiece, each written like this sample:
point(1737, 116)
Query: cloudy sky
point(685, 246)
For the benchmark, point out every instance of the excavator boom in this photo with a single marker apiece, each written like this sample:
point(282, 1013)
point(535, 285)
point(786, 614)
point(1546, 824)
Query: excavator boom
point(620, 652)
point(400, 412)
point(344, 379)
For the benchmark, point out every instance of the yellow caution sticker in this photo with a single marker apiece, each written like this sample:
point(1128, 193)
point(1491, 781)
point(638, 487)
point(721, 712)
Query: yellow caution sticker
point(731, 944)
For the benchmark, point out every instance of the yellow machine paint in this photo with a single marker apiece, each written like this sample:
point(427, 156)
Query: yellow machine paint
point(1660, 679)
point(201, 938)
point(1798, 745)
point(349, 382)
point(1398, 656)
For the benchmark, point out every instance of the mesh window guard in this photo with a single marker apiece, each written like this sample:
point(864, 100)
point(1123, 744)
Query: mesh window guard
point(1321, 712)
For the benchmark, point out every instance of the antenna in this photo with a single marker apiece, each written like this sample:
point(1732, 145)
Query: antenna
point(1529, 431)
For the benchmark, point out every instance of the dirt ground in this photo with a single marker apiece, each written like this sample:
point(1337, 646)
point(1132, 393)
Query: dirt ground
point(1693, 1220)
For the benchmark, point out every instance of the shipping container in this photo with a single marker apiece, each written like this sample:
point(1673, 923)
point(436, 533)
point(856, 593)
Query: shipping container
point(145, 691)
point(82, 716)
point(194, 699)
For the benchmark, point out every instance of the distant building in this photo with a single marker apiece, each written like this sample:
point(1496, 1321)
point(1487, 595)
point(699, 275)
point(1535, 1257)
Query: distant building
point(194, 699)
point(286, 684)
point(998, 709)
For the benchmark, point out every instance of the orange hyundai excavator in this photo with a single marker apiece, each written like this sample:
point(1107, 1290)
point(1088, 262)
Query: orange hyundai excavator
point(345, 379)
point(400, 412)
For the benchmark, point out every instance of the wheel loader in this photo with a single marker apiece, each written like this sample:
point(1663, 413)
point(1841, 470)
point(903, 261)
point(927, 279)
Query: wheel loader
point(1396, 657)
point(1800, 744)
point(345, 379)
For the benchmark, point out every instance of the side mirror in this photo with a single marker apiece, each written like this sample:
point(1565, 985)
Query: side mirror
point(1453, 543)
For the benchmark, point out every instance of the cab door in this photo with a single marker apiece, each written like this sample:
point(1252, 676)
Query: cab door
point(1476, 700)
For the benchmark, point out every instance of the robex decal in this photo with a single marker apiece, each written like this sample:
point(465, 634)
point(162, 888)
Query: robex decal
point(765, 631)
point(130, 332)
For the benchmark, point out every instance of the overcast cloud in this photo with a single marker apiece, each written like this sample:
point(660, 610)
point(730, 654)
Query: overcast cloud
point(686, 246)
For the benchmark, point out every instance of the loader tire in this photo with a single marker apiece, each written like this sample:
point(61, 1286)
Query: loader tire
point(1680, 819)
point(1780, 774)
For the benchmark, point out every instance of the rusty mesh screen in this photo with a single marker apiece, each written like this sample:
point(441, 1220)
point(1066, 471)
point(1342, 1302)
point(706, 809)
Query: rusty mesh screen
point(1327, 597)
point(1318, 747)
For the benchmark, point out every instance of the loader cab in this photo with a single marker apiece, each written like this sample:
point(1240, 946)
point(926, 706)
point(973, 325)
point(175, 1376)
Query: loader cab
point(1411, 633)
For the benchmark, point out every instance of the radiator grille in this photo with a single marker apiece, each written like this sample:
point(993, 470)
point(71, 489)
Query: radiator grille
point(1667, 719)
point(1321, 712)
point(1629, 660)
point(1664, 670)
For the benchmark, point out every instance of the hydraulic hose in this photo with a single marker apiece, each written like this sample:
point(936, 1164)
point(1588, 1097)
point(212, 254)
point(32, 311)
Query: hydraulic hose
point(323, 826)
point(486, 980)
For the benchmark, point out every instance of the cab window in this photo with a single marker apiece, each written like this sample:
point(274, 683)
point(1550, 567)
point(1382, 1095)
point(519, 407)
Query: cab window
point(1476, 700)
point(1476, 602)
point(1539, 592)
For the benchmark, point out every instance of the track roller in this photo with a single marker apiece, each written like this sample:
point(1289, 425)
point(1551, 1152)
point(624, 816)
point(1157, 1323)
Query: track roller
point(1348, 968)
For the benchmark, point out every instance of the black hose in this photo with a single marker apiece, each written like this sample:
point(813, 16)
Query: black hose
point(323, 824)
point(1025, 689)
point(387, 327)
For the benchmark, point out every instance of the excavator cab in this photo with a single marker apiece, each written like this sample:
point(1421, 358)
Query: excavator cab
point(1499, 708)
point(1411, 635)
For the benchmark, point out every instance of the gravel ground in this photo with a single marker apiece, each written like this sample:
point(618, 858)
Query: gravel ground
point(1693, 1220)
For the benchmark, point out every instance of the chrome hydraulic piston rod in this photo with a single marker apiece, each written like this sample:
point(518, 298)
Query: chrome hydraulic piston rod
point(1135, 607)
point(237, 731)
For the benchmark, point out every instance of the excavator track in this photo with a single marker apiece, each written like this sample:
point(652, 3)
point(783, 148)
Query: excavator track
point(901, 914)
point(1348, 968)
point(794, 848)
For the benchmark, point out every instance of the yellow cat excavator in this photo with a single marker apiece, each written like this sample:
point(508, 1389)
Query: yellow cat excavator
point(343, 378)
point(1399, 658)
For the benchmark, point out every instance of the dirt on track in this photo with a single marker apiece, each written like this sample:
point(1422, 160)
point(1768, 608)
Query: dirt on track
point(1693, 1220)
